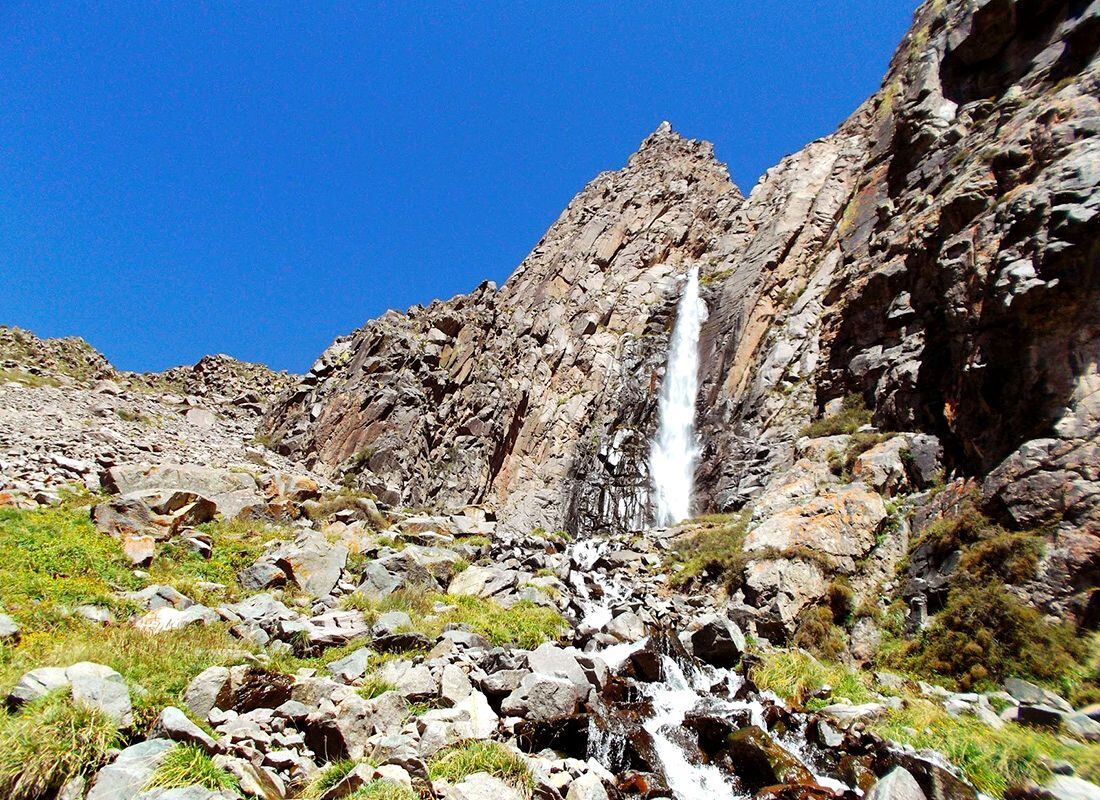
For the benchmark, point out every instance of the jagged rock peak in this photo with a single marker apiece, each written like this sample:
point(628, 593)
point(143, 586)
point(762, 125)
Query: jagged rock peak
point(665, 146)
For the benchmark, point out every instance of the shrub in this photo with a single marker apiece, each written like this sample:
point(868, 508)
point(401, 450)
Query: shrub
point(853, 415)
point(187, 765)
point(458, 761)
point(984, 634)
point(841, 597)
point(1008, 557)
point(49, 742)
point(816, 631)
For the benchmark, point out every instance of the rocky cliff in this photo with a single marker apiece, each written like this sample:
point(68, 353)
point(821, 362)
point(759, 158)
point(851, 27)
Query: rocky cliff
point(936, 255)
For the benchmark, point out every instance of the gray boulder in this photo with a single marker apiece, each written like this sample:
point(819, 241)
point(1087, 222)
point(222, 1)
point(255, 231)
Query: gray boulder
point(542, 697)
point(100, 688)
point(173, 724)
point(126, 776)
point(896, 785)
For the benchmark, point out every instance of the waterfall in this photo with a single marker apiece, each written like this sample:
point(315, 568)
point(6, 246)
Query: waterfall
point(675, 451)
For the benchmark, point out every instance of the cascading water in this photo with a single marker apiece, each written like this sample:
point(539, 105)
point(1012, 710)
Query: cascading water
point(674, 453)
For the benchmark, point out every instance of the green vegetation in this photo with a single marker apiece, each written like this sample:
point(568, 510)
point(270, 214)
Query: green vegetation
point(344, 500)
point(52, 560)
point(27, 379)
point(816, 631)
point(525, 624)
point(328, 777)
point(993, 760)
point(236, 544)
point(715, 551)
point(984, 634)
point(853, 415)
point(458, 761)
point(50, 741)
point(383, 790)
point(373, 687)
point(187, 765)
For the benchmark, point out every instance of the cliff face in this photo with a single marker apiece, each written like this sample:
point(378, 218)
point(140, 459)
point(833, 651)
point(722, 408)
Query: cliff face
point(936, 254)
point(537, 398)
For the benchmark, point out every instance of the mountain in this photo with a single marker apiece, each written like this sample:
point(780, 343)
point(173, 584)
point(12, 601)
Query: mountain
point(936, 256)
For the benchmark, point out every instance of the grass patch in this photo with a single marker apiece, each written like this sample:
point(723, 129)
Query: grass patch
point(329, 776)
point(853, 415)
point(50, 741)
point(373, 687)
point(161, 664)
point(383, 790)
point(716, 551)
point(795, 675)
point(187, 765)
point(461, 760)
point(816, 631)
point(525, 624)
point(27, 379)
point(236, 545)
point(993, 760)
point(52, 560)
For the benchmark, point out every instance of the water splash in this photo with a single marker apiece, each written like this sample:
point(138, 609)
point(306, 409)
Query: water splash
point(674, 453)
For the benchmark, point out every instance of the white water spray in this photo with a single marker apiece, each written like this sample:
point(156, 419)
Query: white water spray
point(673, 456)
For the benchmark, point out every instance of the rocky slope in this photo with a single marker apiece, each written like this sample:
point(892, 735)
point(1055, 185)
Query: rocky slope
point(66, 414)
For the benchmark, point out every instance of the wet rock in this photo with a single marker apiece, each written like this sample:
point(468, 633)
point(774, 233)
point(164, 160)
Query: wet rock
point(718, 641)
point(760, 761)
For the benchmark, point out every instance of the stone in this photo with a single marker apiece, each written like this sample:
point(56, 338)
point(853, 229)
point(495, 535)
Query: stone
point(1064, 787)
point(587, 787)
point(351, 667)
point(483, 786)
point(718, 641)
point(549, 659)
point(230, 491)
point(483, 582)
point(127, 775)
point(313, 563)
point(100, 688)
point(172, 619)
point(542, 697)
point(37, 683)
point(173, 724)
point(763, 762)
point(209, 689)
point(454, 685)
point(9, 630)
point(897, 784)
point(847, 714)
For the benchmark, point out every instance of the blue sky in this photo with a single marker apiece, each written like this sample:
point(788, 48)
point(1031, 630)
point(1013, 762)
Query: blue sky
point(255, 178)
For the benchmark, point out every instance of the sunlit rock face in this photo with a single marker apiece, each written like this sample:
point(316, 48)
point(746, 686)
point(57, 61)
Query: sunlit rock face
point(936, 254)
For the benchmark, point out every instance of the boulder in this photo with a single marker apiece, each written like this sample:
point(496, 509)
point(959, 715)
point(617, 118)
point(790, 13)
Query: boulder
point(209, 689)
point(351, 667)
point(127, 775)
point(173, 724)
point(761, 761)
point(9, 630)
point(718, 641)
point(483, 582)
point(312, 562)
point(587, 787)
point(37, 683)
point(172, 619)
point(897, 784)
point(1067, 787)
point(99, 687)
point(231, 491)
point(482, 786)
point(542, 697)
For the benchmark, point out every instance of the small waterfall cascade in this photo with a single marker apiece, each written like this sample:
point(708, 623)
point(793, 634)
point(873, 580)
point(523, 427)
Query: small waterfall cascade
point(675, 451)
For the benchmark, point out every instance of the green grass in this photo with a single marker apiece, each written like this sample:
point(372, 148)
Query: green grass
point(993, 760)
point(161, 664)
point(53, 559)
point(714, 551)
point(329, 776)
point(50, 741)
point(373, 687)
point(383, 790)
point(525, 624)
point(461, 760)
point(187, 765)
point(853, 415)
point(27, 379)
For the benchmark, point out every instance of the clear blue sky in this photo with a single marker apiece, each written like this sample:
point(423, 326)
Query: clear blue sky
point(255, 178)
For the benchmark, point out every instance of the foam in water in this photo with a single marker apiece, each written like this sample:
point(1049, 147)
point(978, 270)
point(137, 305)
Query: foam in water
point(673, 455)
